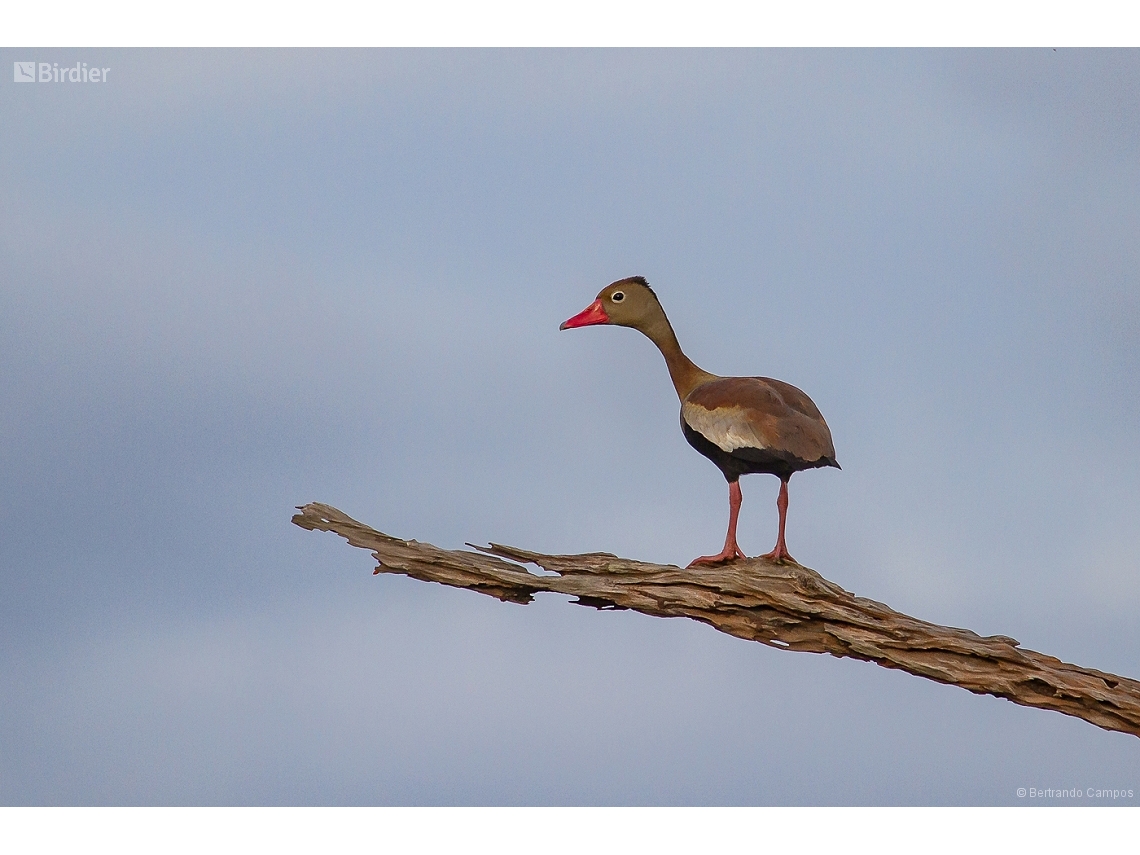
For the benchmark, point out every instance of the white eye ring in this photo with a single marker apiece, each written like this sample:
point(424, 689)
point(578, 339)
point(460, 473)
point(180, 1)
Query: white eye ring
point(617, 296)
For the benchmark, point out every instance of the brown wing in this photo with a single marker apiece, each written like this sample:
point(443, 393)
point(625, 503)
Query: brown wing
point(738, 413)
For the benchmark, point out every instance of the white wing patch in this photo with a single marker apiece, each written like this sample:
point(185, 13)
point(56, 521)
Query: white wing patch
point(727, 427)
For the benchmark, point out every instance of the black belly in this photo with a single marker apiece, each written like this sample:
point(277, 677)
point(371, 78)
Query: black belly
point(743, 461)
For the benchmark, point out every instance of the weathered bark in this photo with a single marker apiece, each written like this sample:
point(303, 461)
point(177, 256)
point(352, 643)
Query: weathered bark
point(782, 605)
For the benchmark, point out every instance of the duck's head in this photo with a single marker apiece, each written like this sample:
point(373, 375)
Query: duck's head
point(628, 303)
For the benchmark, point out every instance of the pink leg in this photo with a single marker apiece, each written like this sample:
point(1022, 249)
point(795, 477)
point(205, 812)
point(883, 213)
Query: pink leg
point(731, 550)
point(780, 553)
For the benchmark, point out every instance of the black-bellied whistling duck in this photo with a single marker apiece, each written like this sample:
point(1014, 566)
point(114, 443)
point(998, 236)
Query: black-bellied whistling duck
point(742, 424)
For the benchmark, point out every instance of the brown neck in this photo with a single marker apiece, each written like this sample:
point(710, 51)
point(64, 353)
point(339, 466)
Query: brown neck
point(685, 375)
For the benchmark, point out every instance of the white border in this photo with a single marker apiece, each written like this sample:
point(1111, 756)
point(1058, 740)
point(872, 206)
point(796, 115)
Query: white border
point(566, 830)
point(573, 23)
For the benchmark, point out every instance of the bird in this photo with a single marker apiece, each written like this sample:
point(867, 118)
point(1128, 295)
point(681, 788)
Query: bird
point(742, 424)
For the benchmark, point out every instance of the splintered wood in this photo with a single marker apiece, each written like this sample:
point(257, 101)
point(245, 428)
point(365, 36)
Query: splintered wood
point(785, 606)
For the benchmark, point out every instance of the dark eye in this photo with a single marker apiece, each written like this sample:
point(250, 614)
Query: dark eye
point(617, 296)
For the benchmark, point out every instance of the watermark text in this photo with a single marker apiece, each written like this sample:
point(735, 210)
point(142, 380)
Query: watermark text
point(53, 72)
point(1094, 793)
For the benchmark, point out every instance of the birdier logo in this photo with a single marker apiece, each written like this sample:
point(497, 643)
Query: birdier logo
point(50, 72)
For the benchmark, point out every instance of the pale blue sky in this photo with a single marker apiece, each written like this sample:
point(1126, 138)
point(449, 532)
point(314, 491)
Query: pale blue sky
point(233, 282)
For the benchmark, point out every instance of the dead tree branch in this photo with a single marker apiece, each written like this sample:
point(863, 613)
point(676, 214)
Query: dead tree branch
point(782, 605)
